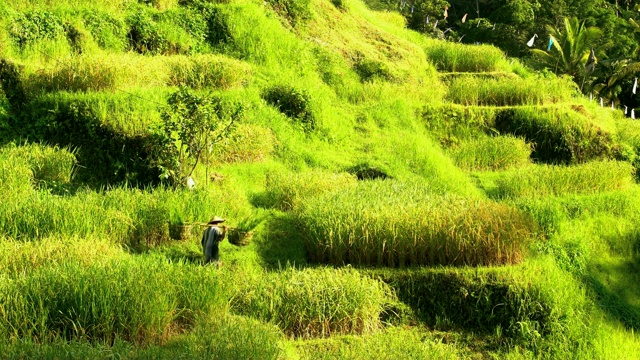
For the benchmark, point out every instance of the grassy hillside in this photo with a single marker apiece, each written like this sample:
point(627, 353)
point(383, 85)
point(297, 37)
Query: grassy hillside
point(408, 197)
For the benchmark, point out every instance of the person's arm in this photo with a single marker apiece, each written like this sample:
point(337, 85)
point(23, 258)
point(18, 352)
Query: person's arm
point(224, 232)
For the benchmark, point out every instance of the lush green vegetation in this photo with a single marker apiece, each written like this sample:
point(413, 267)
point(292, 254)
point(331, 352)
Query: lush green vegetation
point(407, 196)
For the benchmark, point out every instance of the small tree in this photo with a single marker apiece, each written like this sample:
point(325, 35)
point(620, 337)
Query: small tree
point(192, 125)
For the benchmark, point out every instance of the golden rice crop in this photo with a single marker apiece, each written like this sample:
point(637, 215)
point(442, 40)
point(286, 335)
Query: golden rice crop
point(400, 224)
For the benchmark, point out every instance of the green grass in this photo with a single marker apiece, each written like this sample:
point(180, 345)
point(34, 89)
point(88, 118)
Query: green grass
point(469, 90)
point(558, 180)
point(315, 302)
point(415, 169)
point(454, 57)
point(135, 300)
point(491, 153)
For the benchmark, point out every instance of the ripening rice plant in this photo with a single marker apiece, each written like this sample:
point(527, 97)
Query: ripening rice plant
point(549, 180)
point(316, 302)
point(491, 153)
point(401, 224)
point(469, 90)
point(454, 57)
point(139, 300)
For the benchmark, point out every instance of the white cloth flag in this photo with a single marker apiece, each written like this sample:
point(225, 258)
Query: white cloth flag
point(635, 85)
point(591, 97)
point(626, 109)
point(530, 43)
point(464, 18)
point(601, 103)
point(613, 107)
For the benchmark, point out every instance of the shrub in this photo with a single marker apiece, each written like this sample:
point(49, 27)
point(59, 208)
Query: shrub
point(315, 302)
point(36, 25)
point(287, 191)
point(370, 70)
point(559, 136)
point(294, 103)
point(401, 224)
point(197, 123)
point(145, 34)
point(557, 180)
point(11, 81)
point(491, 153)
point(108, 31)
point(294, 11)
point(219, 34)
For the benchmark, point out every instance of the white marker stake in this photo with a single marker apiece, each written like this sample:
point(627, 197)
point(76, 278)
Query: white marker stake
point(633, 114)
point(626, 109)
point(601, 103)
point(635, 85)
point(591, 97)
point(613, 107)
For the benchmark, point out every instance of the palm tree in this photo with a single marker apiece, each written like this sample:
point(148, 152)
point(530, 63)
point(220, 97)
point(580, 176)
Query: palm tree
point(573, 45)
point(614, 74)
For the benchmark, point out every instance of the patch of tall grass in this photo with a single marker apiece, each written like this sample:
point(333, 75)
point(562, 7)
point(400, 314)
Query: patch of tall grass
point(491, 153)
point(48, 164)
point(138, 300)
point(552, 211)
point(249, 143)
point(470, 90)
point(452, 123)
point(230, 337)
point(289, 190)
point(393, 224)
point(455, 57)
point(549, 180)
point(393, 343)
point(315, 302)
point(208, 71)
point(113, 72)
point(133, 218)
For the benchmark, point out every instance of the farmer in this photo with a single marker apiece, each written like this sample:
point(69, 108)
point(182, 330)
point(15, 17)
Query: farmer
point(211, 238)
